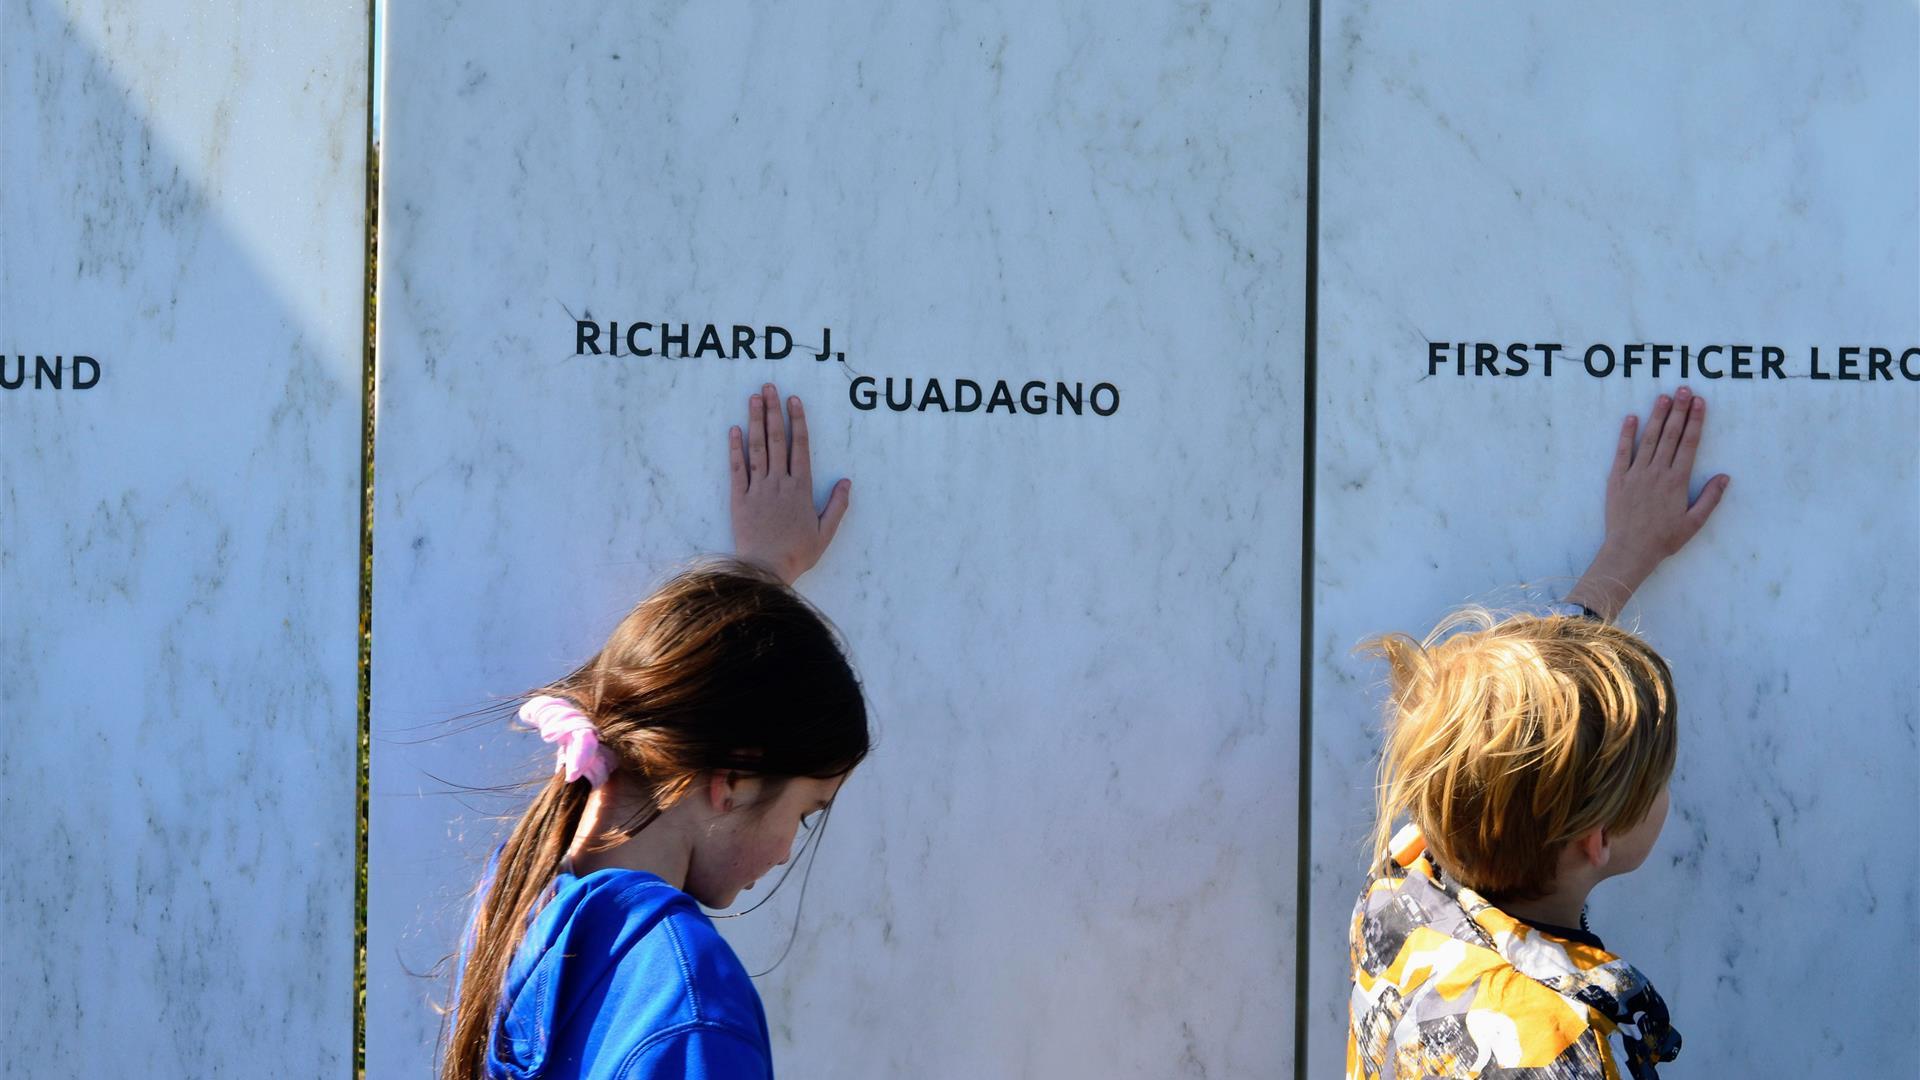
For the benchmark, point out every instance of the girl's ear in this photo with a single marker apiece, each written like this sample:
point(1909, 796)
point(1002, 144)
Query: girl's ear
point(721, 791)
point(731, 790)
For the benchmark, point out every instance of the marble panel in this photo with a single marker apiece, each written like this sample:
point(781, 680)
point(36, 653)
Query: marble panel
point(1645, 173)
point(1073, 852)
point(183, 205)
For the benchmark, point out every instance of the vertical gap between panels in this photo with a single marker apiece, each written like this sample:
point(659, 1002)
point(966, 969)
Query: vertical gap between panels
point(364, 718)
point(1309, 433)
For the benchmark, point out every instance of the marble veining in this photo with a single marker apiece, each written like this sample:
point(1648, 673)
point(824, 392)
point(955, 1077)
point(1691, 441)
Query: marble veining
point(1074, 851)
point(184, 203)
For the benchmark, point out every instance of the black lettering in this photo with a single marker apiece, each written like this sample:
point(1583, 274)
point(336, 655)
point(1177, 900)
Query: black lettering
point(1912, 374)
point(1000, 396)
point(1813, 366)
point(1631, 357)
point(786, 343)
point(1771, 358)
point(1113, 396)
point(906, 400)
point(1519, 362)
point(93, 365)
point(1662, 355)
point(860, 392)
point(1027, 401)
point(1742, 356)
point(1546, 357)
point(586, 337)
point(1879, 364)
point(20, 373)
point(1484, 357)
point(51, 372)
point(1849, 360)
point(933, 396)
point(1436, 355)
point(613, 339)
point(1599, 373)
point(742, 342)
point(633, 332)
point(709, 342)
point(960, 402)
point(1064, 397)
point(668, 339)
point(1709, 372)
point(826, 344)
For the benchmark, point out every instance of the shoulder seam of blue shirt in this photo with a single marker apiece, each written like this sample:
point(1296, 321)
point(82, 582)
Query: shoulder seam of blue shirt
point(686, 965)
point(690, 1027)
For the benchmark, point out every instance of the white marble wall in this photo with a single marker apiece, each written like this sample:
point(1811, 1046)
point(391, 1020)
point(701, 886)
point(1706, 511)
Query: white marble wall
point(1656, 173)
point(183, 201)
point(1073, 853)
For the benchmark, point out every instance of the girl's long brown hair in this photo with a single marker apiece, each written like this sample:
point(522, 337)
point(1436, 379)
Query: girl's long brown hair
point(723, 668)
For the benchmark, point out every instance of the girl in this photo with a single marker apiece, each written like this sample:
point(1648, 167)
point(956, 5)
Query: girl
point(1532, 756)
point(719, 718)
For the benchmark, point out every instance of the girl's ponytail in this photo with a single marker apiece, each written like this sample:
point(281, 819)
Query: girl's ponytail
point(521, 877)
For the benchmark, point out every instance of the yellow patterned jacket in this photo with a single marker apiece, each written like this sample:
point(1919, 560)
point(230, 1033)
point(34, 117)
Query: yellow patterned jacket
point(1446, 985)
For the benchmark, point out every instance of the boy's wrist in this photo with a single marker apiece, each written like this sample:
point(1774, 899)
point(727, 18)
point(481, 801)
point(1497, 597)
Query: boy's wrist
point(1612, 578)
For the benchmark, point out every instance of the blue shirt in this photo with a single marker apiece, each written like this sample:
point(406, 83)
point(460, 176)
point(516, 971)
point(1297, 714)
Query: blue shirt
point(622, 977)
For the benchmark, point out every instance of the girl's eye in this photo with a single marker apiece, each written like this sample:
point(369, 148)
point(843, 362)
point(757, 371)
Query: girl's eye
point(808, 821)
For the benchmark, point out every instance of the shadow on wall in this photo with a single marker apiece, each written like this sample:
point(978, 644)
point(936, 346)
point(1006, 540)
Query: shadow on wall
point(178, 542)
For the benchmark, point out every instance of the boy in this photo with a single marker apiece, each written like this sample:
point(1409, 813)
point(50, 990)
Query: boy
point(1531, 755)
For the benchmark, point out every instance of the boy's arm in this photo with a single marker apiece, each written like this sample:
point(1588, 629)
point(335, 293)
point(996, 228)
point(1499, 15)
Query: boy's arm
point(1649, 513)
point(774, 522)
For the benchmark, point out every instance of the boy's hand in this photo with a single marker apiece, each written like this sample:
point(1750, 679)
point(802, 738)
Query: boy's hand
point(1649, 515)
point(774, 522)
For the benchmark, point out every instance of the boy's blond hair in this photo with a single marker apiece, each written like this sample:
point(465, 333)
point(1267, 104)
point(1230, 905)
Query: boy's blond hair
point(1509, 737)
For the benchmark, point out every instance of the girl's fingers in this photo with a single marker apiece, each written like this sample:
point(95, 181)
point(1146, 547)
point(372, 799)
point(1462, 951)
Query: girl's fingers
point(1702, 507)
point(1675, 426)
point(1623, 454)
point(736, 463)
point(776, 431)
point(836, 509)
point(756, 437)
point(802, 466)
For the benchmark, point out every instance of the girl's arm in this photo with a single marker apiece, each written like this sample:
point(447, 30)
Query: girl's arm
point(1649, 513)
point(774, 521)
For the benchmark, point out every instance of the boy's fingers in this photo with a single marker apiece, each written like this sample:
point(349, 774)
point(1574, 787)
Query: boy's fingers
point(1702, 507)
point(1623, 454)
point(802, 467)
point(736, 463)
point(1670, 434)
point(1650, 435)
point(1690, 438)
point(757, 436)
point(836, 509)
point(776, 431)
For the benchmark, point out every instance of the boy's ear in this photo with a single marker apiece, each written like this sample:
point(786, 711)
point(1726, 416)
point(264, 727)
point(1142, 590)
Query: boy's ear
point(1595, 847)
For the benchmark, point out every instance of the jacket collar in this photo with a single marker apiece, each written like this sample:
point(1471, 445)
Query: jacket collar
point(1580, 972)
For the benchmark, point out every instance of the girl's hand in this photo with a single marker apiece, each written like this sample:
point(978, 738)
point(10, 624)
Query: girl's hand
point(774, 522)
point(1649, 515)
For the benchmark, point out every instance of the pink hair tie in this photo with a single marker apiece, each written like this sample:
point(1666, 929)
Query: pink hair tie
point(561, 721)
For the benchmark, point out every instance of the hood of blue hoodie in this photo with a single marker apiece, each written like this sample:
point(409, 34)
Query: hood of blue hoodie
point(571, 949)
point(608, 960)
